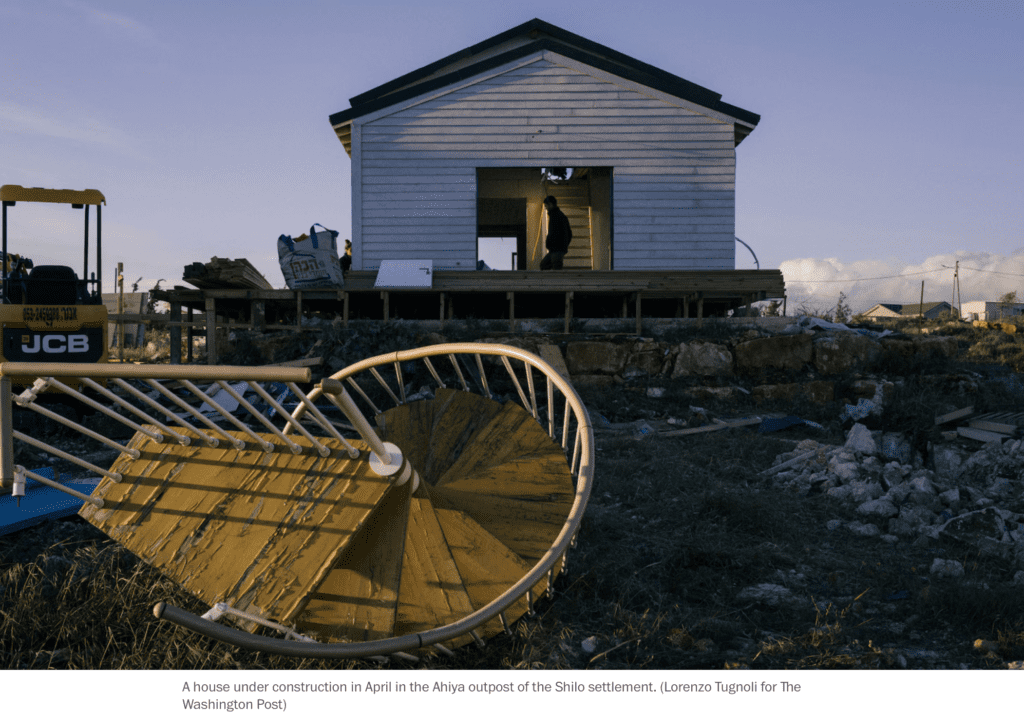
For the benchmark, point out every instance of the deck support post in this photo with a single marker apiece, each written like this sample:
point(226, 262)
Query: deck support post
point(189, 334)
point(176, 332)
point(568, 309)
point(639, 298)
point(211, 330)
point(258, 317)
point(511, 297)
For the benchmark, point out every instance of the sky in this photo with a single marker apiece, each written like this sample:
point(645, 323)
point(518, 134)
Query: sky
point(887, 151)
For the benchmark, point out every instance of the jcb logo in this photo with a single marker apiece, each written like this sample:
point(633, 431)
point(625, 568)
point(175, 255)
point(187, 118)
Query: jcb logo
point(54, 343)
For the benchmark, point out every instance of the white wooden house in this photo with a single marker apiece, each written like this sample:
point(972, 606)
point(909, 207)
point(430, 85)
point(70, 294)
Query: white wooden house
point(991, 311)
point(455, 151)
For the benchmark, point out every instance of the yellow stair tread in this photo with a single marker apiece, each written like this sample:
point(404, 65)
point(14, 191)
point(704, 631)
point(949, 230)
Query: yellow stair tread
point(488, 568)
point(357, 600)
point(542, 477)
point(511, 434)
point(457, 418)
point(432, 592)
point(256, 530)
point(527, 527)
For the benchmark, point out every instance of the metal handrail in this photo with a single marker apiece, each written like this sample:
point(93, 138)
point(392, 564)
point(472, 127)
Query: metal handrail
point(582, 467)
point(46, 375)
point(579, 450)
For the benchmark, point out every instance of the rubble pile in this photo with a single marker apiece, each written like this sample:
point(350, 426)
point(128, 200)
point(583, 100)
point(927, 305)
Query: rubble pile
point(894, 494)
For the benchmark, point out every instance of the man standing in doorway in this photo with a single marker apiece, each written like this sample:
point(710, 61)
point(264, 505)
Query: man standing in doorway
point(559, 235)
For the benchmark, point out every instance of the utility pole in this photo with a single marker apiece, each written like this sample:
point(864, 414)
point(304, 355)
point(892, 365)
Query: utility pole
point(956, 291)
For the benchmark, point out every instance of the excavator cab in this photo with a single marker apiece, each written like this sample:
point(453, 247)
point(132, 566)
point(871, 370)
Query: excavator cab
point(47, 312)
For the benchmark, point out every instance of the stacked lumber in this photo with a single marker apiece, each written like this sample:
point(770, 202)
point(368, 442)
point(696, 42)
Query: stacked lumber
point(985, 427)
point(225, 273)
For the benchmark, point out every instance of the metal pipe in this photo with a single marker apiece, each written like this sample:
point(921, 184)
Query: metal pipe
point(292, 445)
point(179, 437)
point(323, 450)
point(380, 380)
point(6, 426)
point(116, 477)
point(320, 418)
point(192, 411)
point(237, 443)
point(515, 380)
point(145, 398)
point(336, 392)
point(155, 437)
point(97, 501)
point(132, 453)
point(433, 372)
point(193, 372)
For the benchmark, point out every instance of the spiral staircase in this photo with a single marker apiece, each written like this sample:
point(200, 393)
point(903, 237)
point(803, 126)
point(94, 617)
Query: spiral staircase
point(310, 532)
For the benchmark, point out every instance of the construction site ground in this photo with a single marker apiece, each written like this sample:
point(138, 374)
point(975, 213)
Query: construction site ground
point(893, 541)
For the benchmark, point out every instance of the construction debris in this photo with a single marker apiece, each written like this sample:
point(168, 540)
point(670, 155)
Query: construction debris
point(987, 427)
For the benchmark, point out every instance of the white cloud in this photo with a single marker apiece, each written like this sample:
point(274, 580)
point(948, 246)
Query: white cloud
point(815, 284)
point(20, 119)
point(120, 25)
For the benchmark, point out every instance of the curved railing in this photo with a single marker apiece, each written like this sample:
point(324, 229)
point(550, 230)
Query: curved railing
point(573, 429)
point(557, 408)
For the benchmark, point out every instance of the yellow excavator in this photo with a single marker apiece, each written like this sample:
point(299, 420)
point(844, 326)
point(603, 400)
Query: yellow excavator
point(48, 313)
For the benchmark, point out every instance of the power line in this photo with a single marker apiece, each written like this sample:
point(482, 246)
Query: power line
point(866, 279)
point(993, 272)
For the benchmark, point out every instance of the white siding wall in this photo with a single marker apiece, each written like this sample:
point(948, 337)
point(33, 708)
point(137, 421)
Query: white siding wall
point(673, 168)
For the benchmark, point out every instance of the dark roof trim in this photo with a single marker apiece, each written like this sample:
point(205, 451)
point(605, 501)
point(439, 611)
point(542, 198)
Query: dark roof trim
point(561, 42)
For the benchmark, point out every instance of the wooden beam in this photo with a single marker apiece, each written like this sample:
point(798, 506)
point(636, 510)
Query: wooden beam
point(176, 332)
point(211, 330)
point(639, 323)
point(954, 415)
point(568, 309)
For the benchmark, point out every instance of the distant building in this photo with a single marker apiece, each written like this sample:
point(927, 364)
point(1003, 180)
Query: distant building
point(930, 310)
point(990, 311)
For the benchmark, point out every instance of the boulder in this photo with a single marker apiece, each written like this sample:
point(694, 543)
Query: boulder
point(896, 447)
point(595, 357)
point(859, 440)
point(818, 392)
point(789, 352)
point(880, 507)
point(704, 393)
point(702, 359)
point(645, 358)
point(845, 352)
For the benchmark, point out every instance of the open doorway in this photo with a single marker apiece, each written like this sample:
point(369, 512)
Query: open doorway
point(510, 204)
point(497, 253)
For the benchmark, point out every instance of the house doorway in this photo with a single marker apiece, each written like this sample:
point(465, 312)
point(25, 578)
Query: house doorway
point(510, 204)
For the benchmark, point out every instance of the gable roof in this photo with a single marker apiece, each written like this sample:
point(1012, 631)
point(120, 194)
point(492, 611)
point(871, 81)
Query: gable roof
point(526, 39)
point(907, 310)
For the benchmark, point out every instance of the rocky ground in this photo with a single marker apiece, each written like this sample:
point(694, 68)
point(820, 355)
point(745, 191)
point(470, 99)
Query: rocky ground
point(848, 530)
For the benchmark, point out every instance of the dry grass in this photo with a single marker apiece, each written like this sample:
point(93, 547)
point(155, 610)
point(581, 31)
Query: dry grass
point(677, 528)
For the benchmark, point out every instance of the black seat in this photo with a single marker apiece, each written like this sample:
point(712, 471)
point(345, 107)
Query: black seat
point(52, 285)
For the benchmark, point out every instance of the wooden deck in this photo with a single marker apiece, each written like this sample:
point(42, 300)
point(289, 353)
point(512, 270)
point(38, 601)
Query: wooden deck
point(495, 294)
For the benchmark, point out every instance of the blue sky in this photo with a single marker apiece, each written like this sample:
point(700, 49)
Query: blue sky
point(887, 146)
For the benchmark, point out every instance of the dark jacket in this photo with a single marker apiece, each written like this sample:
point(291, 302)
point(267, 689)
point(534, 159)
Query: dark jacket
point(559, 232)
